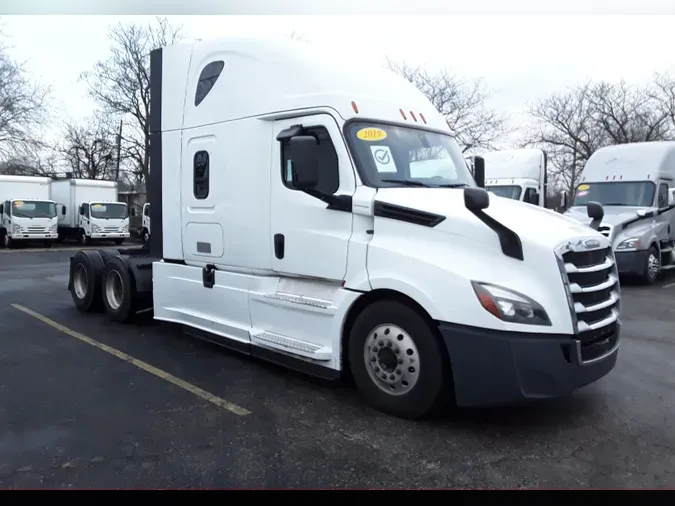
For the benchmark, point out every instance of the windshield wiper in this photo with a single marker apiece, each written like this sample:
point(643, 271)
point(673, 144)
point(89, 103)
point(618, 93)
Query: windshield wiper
point(456, 185)
point(406, 182)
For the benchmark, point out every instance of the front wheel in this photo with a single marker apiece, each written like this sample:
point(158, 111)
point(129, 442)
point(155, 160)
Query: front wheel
point(146, 236)
point(8, 242)
point(652, 266)
point(397, 362)
point(83, 239)
point(118, 241)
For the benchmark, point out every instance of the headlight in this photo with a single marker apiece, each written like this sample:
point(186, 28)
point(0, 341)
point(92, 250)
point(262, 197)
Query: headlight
point(510, 306)
point(95, 228)
point(630, 243)
point(16, 229)
point(54, 228)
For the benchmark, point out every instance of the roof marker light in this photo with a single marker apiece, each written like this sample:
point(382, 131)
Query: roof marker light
point(355, 107)
point(413, 116)
point(422, 116)
point(402, 113)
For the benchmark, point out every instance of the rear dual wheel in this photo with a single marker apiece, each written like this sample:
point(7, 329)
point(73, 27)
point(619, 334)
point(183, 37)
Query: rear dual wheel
point(87, 267)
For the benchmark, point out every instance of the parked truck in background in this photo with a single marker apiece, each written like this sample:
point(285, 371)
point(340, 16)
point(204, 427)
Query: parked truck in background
point(634, 183)
point(28, 213)
point(88, 209)
point(518, 174)
point(145, 224)
point(304, 226)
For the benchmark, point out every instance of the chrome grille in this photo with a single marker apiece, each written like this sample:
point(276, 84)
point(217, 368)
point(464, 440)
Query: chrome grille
point(110, 229)
point(593, 285)
point(37, 229)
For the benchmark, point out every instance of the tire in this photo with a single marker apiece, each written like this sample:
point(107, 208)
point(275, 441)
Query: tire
point(145, 236)
point(118, 290)
point(85, 289)
point(118, 242)
point(652, 266)
point(48, 244)
point(424, 361)
point(83, 239)
point(8, 242)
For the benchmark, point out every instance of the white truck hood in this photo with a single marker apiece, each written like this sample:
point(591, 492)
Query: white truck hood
point(533, 224)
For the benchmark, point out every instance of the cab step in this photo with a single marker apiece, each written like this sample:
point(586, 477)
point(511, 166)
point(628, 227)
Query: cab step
point(291, 345)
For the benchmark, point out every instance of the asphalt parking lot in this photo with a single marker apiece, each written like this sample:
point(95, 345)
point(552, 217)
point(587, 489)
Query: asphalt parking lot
point(85, 403)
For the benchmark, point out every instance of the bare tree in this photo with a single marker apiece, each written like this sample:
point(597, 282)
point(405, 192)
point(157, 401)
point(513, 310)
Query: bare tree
point(663, 93)
point(121, 84)
point(89, 149)
point(24, 107)
point(574, 123)
point(462, 102)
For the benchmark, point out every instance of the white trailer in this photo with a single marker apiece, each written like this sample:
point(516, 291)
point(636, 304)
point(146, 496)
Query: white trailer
point(518, 174)
point(28, 213)
point(294, 222)
point(635, 184)
point(89, 210)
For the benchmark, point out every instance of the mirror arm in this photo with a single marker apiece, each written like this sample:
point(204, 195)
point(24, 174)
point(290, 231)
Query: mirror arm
point(335, 202)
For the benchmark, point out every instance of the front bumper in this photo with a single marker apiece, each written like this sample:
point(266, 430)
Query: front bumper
point(28, 236)
point(110, 235)
point(631, 262)
point(497, 368)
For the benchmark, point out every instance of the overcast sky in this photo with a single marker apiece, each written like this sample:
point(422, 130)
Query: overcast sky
point(520, 57)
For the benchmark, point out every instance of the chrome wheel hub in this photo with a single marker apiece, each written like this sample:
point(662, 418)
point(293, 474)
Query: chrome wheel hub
point(653, 265)
point(114, 289)
point(80, 281)
point(392, 359)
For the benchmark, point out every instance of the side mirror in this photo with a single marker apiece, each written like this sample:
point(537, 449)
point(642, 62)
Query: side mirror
point(63, 210)
point(596, 213)
point(476, 199)
point(132, 212)
point(82, 210)
point(643, 213)
point(479, 171)
point(304, 169)
point(534, 198)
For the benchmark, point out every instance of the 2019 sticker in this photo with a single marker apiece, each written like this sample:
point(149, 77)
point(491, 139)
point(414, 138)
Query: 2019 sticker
point(584, 187)
point(371, 134)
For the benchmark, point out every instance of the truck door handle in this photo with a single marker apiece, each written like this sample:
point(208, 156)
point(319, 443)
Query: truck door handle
point(279, 243)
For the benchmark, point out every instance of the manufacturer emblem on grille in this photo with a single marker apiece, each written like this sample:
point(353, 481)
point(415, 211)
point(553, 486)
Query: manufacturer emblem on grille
point(591, 243)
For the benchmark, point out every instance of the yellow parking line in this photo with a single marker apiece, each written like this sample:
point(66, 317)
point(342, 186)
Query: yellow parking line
point(222, 403)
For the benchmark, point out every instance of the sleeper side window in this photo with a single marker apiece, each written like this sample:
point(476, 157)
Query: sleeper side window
point(663, 195)
point(329, 174)
point(201, 175)
point(207, 79)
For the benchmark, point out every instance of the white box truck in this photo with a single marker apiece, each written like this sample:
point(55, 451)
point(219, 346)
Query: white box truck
point(88, 209)
point(145, 224)
point(291, 222)
point(28, 213)
point(634, 183)
point(518, 174)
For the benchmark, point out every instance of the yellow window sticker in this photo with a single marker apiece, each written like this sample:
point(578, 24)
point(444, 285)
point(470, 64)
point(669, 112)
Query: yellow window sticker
point(371, 134)
point(96, 206)
point(584, 187)
point(18, 203)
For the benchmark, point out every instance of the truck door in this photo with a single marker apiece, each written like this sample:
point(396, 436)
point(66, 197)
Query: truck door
point(307, 238)
point(669, 217)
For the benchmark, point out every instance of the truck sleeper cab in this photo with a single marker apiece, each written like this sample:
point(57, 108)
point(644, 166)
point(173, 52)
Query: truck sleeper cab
point(341, 232)
point(634, 183)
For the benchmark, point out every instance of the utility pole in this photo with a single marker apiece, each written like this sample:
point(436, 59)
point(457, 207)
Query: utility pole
point(119, 150)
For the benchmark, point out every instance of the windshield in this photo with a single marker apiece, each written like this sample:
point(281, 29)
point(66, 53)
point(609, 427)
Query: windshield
point(638, 194)
point(398, 156)
point(109, 211)
point(33, 209)
point(509, 192)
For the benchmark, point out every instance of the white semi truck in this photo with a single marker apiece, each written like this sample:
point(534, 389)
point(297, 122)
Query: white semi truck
point(291, 222)
point(634, 183)
point(28, 213)
point(518, 174)
point(89, 210)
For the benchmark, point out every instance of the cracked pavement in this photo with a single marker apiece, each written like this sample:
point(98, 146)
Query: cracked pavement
point(73, 416)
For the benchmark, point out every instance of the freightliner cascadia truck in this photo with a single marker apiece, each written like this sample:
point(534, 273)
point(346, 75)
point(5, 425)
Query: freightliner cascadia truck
point(322, 216)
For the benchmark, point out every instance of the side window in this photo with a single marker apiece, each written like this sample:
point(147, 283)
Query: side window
point(329, 174)
point(85, 209)
point(663, 195)
point(201, 175)
point(207, 79)
point(529, 196)
point(147, 211)
point(8, 208)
